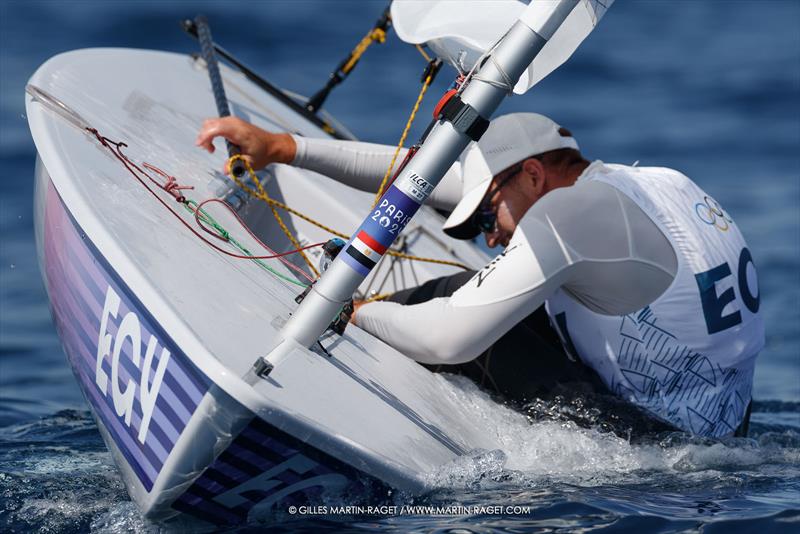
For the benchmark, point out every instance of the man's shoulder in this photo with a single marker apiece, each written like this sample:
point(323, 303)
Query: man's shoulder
point(581, 194)
point(639, 182)
point(566, 209)
point(616, 170)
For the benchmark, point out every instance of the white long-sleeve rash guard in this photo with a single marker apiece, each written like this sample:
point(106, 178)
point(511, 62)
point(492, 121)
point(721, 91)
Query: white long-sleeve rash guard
point(363, 165)
point(612, 258)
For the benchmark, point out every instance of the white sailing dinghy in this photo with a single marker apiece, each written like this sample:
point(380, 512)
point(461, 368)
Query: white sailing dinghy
point(182, 342)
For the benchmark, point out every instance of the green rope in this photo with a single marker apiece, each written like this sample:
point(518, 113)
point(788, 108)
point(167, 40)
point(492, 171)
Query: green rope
point(192, 207)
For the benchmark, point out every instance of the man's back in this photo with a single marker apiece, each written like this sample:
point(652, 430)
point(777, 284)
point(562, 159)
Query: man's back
point(688, 355)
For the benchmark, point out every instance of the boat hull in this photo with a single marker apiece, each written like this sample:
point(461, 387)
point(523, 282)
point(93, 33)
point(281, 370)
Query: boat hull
point(192, 448)
point(162, 330)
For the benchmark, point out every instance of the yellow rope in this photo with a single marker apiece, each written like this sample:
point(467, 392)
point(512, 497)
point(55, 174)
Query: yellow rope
point(421, 51)
point(375, 34)
point(264, 196)
point(277, 204)
point(403, 138)
point(403, 255)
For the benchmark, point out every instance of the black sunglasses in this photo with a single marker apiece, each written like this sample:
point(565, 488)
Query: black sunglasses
point(485, 217)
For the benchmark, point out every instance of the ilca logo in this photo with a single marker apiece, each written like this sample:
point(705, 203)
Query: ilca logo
point(710, 212)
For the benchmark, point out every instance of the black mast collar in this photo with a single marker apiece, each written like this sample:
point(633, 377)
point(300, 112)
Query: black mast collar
point(465, 118)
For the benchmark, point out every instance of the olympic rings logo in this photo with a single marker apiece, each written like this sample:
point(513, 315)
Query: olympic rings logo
point(710, 212)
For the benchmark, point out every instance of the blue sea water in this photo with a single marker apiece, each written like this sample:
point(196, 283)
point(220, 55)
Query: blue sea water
point(711, 88)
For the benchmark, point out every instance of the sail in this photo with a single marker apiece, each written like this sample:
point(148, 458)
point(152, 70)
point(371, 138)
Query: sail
point(460, 32)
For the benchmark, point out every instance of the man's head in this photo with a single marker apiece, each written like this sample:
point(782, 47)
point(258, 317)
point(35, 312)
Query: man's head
point(520, 158)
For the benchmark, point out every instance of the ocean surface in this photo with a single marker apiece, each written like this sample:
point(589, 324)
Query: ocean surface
point(711, 88)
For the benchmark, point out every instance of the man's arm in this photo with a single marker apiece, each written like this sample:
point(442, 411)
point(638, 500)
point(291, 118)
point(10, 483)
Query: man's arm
point(578, 238)
point(363, 166)
point(459, 328)
point(359, 165)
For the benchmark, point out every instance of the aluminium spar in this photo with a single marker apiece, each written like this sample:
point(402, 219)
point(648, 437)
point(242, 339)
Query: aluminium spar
point(481, 95)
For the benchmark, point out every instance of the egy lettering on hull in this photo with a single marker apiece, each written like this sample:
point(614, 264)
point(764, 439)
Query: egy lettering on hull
point(144, 402)
point(162, 330)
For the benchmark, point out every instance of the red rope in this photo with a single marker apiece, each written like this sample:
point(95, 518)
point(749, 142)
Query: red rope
point(173, 188)
point(409, 155)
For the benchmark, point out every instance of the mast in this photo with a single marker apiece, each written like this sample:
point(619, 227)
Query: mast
point(463, 119)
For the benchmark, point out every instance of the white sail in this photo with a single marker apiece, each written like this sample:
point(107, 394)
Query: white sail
point(460, 32)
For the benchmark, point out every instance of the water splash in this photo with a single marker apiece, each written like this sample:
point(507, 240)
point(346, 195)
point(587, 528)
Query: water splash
point(551, 448)
point(56, 474)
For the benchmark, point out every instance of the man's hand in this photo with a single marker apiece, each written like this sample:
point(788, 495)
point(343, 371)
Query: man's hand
point(259, 147)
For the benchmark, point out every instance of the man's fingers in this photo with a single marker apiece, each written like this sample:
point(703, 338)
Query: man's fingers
point(238, 132)
point(213, 128)
point(206, 135)
point(208, 145)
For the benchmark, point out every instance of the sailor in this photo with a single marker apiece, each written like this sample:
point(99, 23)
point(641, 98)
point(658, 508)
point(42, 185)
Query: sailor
point(634, 274)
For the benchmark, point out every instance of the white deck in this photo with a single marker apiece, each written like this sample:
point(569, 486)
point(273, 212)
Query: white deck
point(367, 405)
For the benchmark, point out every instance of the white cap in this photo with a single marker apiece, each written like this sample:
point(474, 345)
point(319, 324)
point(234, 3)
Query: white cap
point(508, 140)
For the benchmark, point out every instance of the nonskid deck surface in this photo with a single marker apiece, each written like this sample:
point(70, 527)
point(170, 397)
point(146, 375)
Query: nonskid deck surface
point(140, 302)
